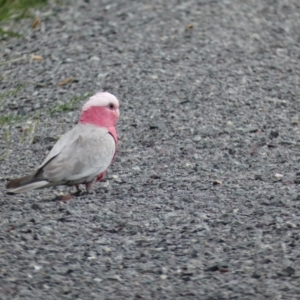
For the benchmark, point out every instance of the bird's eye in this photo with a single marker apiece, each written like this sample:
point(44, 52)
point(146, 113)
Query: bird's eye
point(111, 106)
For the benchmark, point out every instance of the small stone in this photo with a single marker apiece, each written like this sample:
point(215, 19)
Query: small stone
point(65, 290)
point(216, 182)
point(258, 177)
point(37, 268)
point(35, 206)
point(98, 279)
point(36, 106)
point(197, 138)
point(46, 229)
point(115, 277)
point(136, 168)
point(94, 58)
point(256, 37)
point(273, 134)
point(212, 268)
point(116, 178)
point(256, 275)
point(153, 126)
point(288, 271)
point(107, 250)
point(92, 257)
point(231, 91)
point(295, 120)
point(278, 176)
point(229, 124)
point(55, 58)
point(296, 198)
point(163, 277)
point(296, 274)
point(250, 129)
point(290, 224)
point(281, 51)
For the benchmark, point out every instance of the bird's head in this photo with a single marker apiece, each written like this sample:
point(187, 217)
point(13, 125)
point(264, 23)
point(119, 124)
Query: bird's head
point(102, 109)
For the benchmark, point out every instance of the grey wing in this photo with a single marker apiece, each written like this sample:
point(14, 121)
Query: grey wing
point(67, 139)
point(89, 155)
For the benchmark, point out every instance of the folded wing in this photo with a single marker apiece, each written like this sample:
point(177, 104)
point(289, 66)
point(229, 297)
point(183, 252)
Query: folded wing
point(79, 156)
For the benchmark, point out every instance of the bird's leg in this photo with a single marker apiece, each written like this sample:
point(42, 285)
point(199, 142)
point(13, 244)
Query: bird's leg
point(89, 186)
point(78, 190)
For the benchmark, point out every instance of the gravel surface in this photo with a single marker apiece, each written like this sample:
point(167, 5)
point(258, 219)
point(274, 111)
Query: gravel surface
point(202, 201)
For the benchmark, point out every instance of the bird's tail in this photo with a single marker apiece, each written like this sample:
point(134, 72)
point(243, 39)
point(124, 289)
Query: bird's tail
point(26, 183)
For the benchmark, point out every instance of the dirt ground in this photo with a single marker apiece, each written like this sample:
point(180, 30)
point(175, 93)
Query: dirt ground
point(202, 201)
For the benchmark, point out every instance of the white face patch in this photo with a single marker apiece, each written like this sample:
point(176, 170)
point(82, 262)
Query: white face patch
point(101, 99)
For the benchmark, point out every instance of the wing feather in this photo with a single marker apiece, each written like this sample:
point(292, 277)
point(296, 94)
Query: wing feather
point(67, 139)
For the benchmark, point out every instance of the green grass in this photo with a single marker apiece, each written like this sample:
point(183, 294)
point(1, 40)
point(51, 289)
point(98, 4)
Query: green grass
point(11, 93)
point(16, 10)
point(30, 122)
point(6, 138)
point(9, 119)
point(70, 105)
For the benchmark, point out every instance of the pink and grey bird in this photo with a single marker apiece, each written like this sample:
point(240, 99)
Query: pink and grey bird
point(82, 155)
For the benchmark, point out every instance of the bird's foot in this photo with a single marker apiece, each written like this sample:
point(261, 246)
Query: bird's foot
point(89, 187)
point(78, 191)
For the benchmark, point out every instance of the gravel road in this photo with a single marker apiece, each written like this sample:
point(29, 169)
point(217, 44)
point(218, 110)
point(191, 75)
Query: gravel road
point(202, 201)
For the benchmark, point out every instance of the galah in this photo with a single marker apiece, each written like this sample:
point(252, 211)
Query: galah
point(82, 155)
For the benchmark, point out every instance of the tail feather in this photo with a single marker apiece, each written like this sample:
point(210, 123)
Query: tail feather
point(26, 183)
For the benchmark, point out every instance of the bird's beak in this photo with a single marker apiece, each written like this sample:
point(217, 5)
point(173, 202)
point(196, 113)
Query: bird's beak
point(117, 112)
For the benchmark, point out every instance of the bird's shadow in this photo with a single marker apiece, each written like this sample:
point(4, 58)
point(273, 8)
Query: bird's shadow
point(66, 197)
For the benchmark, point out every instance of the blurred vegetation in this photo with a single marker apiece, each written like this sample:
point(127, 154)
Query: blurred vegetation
point(9, 119)
point(70, 105)
point(16, 10)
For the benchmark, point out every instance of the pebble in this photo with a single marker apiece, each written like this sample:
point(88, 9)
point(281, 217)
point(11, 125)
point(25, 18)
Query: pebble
point(95, 58)
point(229, 124)
point(47, 229)
point(291, 224)
point(136, 168)
point(197, 138)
